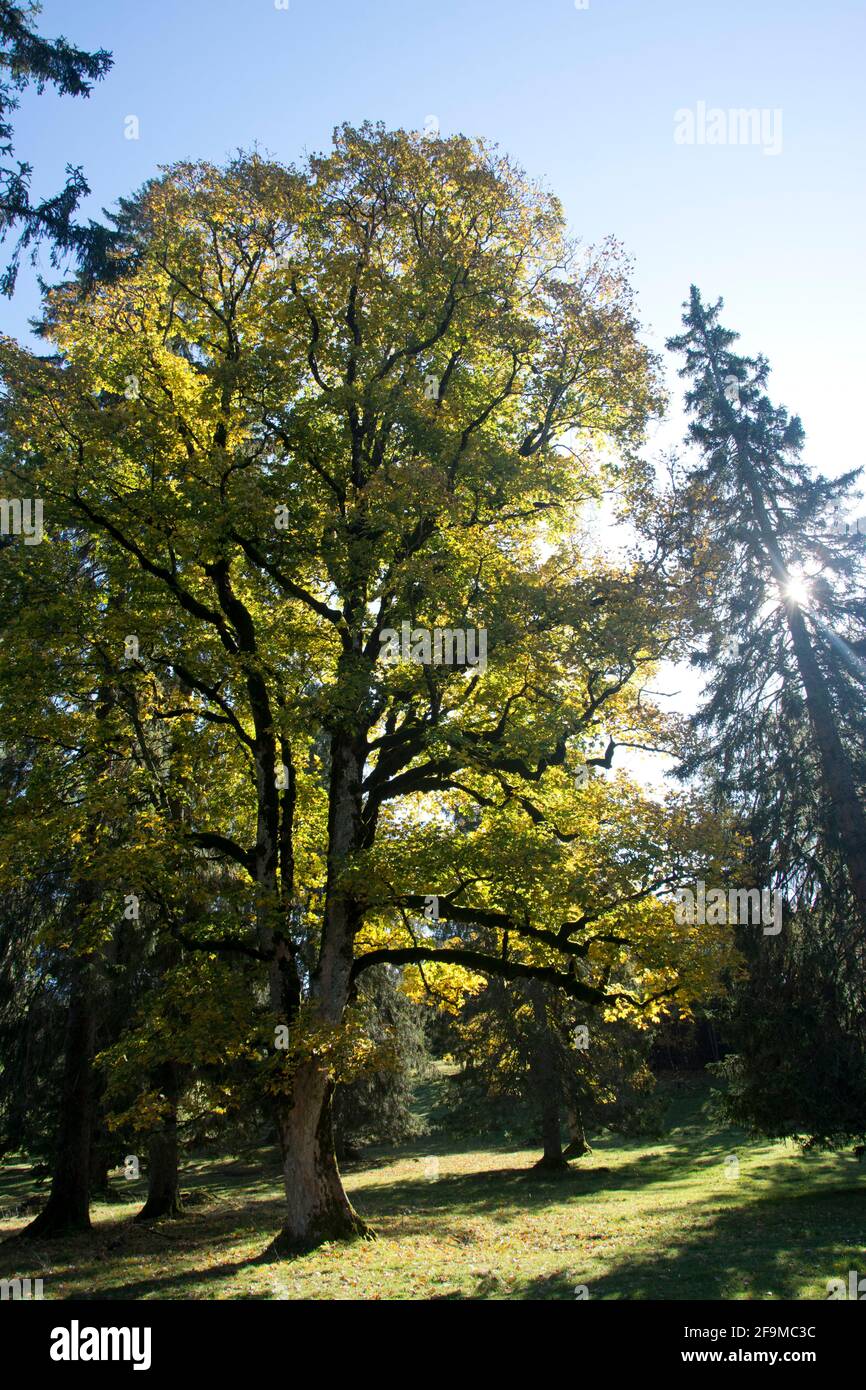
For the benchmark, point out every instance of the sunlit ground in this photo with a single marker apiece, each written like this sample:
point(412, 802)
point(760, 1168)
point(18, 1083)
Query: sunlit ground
point(666, 1219)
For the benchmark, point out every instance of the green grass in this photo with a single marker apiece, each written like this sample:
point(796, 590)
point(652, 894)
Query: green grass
point(634, 1220)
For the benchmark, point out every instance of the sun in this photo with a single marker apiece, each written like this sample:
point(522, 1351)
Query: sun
point(797, 591)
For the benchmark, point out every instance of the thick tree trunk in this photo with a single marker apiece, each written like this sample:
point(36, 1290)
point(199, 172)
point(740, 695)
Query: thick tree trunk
point(317, 1207)
point(553, 1157)
point(546, 1082)
point(163, 1189)
point(68, 1206)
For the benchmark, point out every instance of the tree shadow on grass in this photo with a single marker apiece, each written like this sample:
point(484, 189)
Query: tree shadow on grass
point(84, 1261)
point(525, 1186)
point(176, 1281)
point(518, 1189)
point(772, 1196)
point(755, 1241)
point(435, 1145)
point(770, 1249)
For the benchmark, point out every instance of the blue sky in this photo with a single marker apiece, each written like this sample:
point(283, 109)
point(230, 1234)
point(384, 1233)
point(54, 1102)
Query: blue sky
point(584, 98)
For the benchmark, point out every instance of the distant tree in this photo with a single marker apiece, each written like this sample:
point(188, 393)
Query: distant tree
point(376, 1106)
point(571, 1068)
point(28, 59)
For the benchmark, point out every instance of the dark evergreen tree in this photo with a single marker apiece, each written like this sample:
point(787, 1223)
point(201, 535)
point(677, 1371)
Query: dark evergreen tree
point(798, 1027)
point(781, 734)
point(784, 721)
point(28, 59)
point(376, 1106)
point(34, 1001)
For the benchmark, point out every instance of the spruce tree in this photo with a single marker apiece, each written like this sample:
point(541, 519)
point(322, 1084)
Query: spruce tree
point(785, 607)
point(780, 735)
point(28, 59)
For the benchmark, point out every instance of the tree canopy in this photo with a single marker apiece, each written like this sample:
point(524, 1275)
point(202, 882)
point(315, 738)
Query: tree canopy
point(318, 406)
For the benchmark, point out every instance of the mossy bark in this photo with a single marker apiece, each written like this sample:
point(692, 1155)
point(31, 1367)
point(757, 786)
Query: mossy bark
point(317, 1206)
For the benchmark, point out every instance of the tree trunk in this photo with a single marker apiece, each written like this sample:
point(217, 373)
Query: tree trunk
point(546, 1081)
point(99, 1166)
point(578, 1144)
point(317, 1207)
point(68, 1207)
point(163, 1193)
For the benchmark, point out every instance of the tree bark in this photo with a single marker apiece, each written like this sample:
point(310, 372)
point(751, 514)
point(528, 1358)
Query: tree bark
point(163, 1187)
point(68, 1207)
point(99, 1166)
point(317, 1207)
point(578, 1144)
point(546, 1080)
